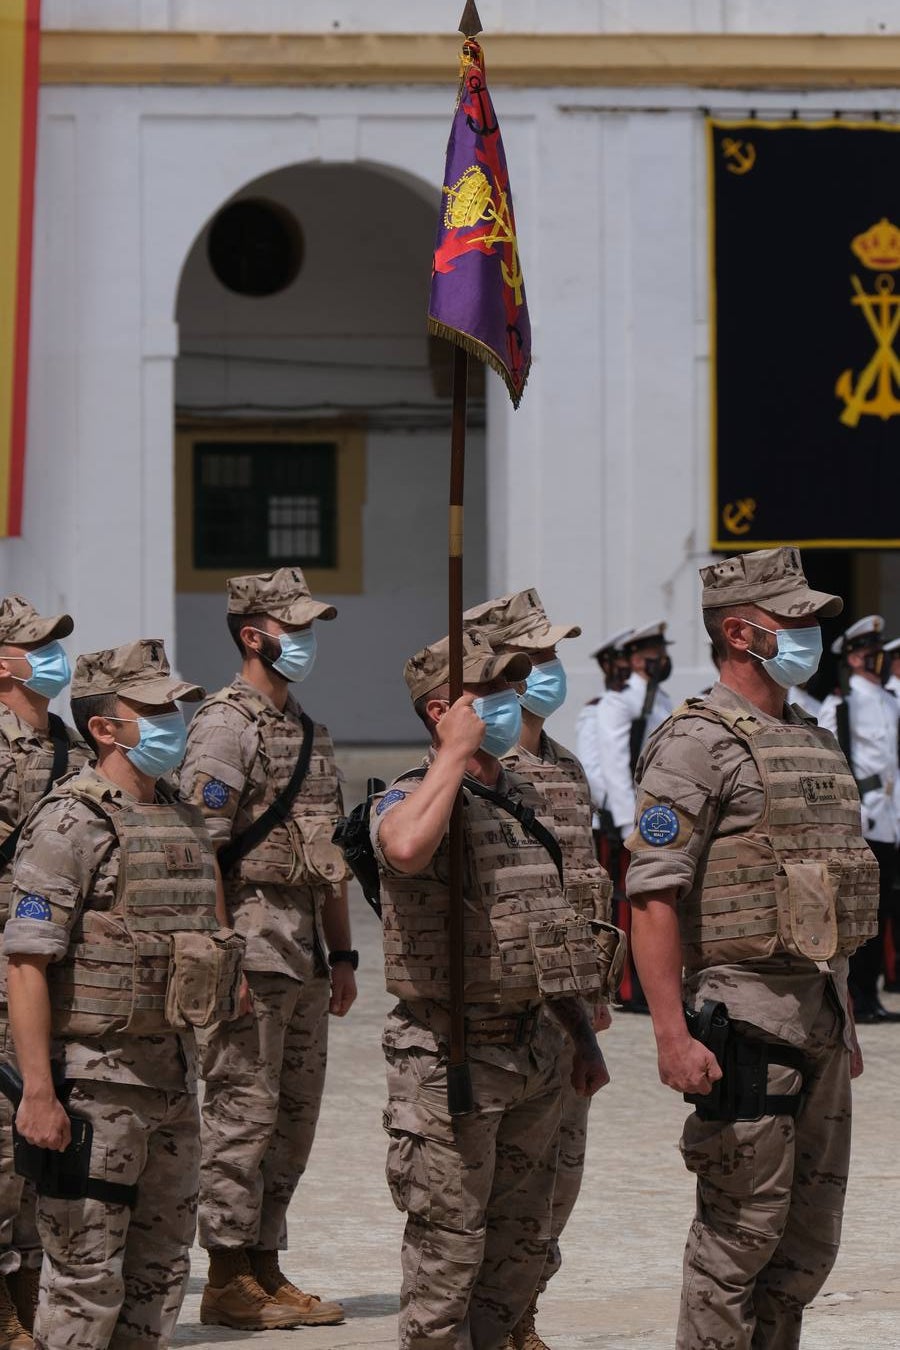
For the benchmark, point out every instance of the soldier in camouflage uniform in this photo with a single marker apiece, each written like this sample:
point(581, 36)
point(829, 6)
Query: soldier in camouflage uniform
point(519, 623)
point(749, 870)
point(477, 1188)
point(33, 670)
point(265, 1073)
point(114, 905)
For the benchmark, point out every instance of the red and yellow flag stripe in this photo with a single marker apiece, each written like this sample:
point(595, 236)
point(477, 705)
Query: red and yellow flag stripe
point(20, 26)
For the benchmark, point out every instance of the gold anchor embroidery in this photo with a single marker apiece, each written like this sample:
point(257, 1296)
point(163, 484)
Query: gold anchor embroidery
point(740, 155)
point(737, 517)
point(879, 250)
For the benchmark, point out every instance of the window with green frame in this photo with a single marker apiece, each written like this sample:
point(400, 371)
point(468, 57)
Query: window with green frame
point(262, 503)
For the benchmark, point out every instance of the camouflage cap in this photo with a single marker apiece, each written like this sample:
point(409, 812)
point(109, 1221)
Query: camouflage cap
point(519, 621)
point(430, 668)
point(21, 624)
point(137, 670)
point(772, 578)
point(283, 595)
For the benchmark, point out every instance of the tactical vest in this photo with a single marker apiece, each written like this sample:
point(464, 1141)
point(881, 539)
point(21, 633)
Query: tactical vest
point(802, 879)
point(298, 852)
point(154, 959)
point(32, 765)
point(523, 940)
point(560, 781)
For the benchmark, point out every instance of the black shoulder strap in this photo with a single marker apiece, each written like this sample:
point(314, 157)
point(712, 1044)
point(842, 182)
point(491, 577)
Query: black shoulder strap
point(523, 814)
point(275, 814)
point(639, 725)
point(60, 738)
point(842, 722)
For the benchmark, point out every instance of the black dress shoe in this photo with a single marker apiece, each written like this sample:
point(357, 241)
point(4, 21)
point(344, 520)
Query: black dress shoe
point(870, 1011)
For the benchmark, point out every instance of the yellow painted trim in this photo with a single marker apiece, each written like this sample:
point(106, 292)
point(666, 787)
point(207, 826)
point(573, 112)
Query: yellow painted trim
point(616, 60)
point(344, 579)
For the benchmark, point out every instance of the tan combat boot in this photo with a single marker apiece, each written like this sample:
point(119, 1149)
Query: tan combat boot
point(523, 1335)
point(309, 1309)
point(233, 1298)
point(23, 1286)
point(13, 1335)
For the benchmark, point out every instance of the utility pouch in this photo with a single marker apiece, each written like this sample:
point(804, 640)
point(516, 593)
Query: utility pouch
point(205, 978)
point(566, 959)
point(807, 912)
point(352, 837)
point(711, 1026)
point(324, 861)
point(612, 947)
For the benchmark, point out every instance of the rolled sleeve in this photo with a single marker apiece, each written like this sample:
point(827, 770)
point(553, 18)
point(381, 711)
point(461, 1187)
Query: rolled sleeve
point(49, 880)
point(679, 787)
point(214, 772)
point(35, 937)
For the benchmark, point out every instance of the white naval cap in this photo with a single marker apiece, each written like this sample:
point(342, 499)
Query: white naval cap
point(614, 643)
point(654, 633)
point(867, 632)
point(892, 646)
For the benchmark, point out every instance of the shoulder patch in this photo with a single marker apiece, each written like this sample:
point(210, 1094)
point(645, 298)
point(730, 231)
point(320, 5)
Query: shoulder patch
point(215, 794)
point(33, 907)
point(658, 826)
point(388, 800)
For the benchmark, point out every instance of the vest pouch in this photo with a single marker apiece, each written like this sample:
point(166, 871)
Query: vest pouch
point(274, 861)
point(109, 980)
point(591, 900)
point(150, 983)
point(565, 958)
point(324, 861)
point(205, 978)
point(807, 916)
point(612, 946)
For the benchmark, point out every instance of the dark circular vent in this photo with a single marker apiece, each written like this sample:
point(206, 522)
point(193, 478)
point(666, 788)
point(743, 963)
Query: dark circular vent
point(255, 247)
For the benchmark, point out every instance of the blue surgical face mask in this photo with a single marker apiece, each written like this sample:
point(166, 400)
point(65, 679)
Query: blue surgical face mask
point(798, 656)
point(298, 653)
point(503, 718)
point(162, 743)
point(50, 669)
point(545, 688)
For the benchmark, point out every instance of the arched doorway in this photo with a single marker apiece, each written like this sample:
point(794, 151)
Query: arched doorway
point(312, 425)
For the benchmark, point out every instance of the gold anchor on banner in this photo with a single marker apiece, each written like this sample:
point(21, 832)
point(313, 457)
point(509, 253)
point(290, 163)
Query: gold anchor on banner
point(737, 517)
point(740, 155)
point(873, 394)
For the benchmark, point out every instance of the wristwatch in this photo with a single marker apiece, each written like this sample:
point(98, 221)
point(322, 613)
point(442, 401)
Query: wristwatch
point(352, 957)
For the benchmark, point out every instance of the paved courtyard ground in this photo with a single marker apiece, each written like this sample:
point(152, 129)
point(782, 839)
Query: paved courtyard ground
point(618, 1287)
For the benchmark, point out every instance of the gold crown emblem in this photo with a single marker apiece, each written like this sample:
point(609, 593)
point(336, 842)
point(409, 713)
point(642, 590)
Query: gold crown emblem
point(879, 247)
point(468, 199)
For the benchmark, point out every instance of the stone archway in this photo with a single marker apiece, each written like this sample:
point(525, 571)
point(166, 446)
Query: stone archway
point(337, 357)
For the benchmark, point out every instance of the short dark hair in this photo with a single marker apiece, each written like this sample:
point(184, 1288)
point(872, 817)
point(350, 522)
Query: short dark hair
point(88, 706)
point(420, 705)
point(236, 622)
point(712, 622)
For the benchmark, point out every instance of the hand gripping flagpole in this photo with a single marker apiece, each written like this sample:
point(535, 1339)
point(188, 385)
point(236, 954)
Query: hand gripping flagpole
point(459, 1080)
point(477, 302)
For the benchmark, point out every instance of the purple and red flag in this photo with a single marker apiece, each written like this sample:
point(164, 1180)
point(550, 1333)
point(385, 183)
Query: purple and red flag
point(477, 290)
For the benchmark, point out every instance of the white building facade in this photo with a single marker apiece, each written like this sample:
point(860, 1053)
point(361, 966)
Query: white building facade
point(154, 114)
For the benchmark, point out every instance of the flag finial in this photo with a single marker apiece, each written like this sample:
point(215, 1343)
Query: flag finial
point(470, 24)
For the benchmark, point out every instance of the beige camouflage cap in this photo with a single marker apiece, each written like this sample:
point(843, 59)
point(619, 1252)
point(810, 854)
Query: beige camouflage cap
point(430, 668)
point(21, 624)
point(283, 595)
point(518, 621)
point(772, 578)
point(137, 670)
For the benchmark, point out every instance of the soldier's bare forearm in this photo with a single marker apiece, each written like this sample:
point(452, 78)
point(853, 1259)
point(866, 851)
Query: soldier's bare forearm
point(656, 943)
point(336, 919)
point(29, 1019)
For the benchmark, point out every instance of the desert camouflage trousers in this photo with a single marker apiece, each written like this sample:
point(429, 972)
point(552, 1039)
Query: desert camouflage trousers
point(477, 1191)
point(264, 1075)
point(570, 1162)
point(19, 1241)
point(770, 1199)
point(114, 1276)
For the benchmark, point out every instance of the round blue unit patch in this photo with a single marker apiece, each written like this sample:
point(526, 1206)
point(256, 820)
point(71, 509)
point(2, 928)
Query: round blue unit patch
point(215, 794)
point(658, 825)
point(33, 907)
point(389, 799)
